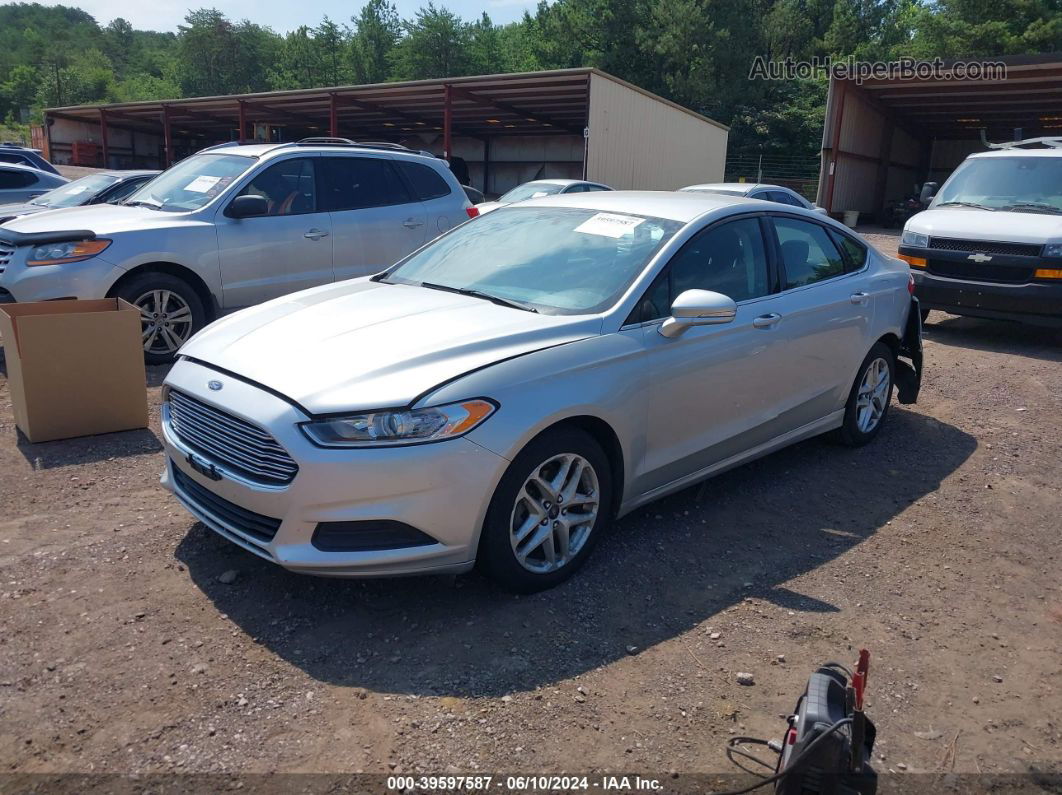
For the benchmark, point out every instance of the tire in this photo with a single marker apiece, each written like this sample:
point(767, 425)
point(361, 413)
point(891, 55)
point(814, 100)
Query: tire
point(525, 503)
point(925, 315)
point(860, 423)
point(160, 296)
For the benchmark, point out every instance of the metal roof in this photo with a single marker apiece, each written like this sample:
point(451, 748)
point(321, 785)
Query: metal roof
point(522, 103)
point(1030, 97)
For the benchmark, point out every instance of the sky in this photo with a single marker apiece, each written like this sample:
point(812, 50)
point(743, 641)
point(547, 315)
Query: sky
point(281, 15)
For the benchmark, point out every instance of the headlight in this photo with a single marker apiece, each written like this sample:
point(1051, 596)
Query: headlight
point(916, 239)
point(72, 251)
point(1053, 250)
point(404, 426)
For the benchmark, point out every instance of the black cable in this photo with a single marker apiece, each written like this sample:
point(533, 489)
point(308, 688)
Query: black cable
point(732, 748)
point(793, 764)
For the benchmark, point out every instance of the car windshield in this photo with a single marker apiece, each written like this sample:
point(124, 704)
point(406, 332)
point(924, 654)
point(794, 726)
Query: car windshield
point(1027, 184)
point(531, 190)
point(192, 183)
point(72, 194)
point(556, 260)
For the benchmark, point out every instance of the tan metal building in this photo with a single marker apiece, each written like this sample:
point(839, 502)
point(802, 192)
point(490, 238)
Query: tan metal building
point(508, 129)
point(882, 138)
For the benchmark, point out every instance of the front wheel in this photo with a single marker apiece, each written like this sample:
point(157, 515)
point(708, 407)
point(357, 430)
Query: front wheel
point(550, 508)
point(868, 402)
point(170, 313)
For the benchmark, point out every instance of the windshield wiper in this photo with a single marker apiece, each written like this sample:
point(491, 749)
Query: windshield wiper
point(496, 299)
point(1034, 207)
point(154, 205)
point(967, 204)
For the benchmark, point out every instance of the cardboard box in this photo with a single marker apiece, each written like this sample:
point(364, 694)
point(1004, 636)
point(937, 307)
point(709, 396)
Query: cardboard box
point(74, 368)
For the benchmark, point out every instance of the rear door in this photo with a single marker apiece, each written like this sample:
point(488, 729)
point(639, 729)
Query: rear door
point(375, 218)
point(826, 313)
point(288, 249)
point(444, 208)
point(19, 185)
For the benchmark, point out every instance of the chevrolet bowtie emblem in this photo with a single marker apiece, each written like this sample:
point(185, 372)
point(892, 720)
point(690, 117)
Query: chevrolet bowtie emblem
point(980, 258)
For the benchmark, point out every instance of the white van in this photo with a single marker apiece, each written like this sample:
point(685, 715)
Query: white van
point(990, 242)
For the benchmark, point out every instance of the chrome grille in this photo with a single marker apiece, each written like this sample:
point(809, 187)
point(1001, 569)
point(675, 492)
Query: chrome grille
point(984, 247)
point(6, 250)
point(229, 441)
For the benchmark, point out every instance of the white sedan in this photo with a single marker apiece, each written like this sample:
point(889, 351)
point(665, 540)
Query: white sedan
point(757, 190)
point(538, 188)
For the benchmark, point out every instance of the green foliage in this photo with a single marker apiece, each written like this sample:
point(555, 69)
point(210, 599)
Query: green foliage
point(695, 52)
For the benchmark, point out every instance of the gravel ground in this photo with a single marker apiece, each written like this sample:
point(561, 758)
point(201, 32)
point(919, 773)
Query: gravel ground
point(123, 648)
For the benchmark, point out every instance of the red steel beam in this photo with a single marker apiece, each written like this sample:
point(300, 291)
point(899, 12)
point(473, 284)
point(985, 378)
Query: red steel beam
point(103, 137)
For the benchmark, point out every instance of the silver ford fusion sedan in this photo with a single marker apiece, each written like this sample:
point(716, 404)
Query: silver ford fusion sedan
point(503, 394)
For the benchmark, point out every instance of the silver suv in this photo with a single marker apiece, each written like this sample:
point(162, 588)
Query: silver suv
point(233, 226)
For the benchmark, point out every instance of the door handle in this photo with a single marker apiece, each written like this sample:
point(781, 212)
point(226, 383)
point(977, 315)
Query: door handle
point(412, 223)
point(315, 234)
point(767, 321)
point(860, 297)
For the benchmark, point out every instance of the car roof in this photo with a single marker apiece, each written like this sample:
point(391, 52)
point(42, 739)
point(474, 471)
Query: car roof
point(552, 181)
point(673, 205)
point(24, 167)
point(744, 187)
point(1017, 152)
point(267, 150)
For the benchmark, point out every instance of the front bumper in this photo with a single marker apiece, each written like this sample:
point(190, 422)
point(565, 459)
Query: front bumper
point(89, 279)
point(441, 489)
point(1022, 298)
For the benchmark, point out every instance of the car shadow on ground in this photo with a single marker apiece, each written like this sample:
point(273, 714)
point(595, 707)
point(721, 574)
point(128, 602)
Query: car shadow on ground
point(664, 569)
point(995, 336)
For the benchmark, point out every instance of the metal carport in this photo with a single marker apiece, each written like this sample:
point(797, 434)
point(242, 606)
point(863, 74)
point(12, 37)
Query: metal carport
point(883, 137)
point(507, 128)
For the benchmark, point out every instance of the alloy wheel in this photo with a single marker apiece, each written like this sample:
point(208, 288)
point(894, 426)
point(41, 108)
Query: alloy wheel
point(873, 395)
point(165, 321)
point(554, 513)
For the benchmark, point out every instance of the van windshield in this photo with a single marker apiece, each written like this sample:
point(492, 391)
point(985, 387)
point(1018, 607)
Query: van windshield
point(192, 183)
point(1020, 184)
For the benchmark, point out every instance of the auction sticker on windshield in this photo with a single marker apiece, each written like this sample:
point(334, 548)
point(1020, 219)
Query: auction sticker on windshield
point(609, 225)
point(202, 184)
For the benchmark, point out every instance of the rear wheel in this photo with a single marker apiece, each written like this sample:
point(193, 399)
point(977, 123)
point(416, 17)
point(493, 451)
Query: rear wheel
point(548, 511)
point(170, 313)
point(868, 402)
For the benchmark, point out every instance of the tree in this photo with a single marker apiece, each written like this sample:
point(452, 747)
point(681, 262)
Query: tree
point(377, 30)
point(436, 45)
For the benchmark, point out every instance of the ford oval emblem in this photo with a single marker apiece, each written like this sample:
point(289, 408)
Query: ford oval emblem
point(215, 385)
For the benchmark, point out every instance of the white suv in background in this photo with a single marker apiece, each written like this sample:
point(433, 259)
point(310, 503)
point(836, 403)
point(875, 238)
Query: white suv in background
point(232, 226)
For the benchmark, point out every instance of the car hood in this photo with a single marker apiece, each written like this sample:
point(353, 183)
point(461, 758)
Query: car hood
point(10, 211)
point(103, 219)
point(361, 345)
point(1001, 226)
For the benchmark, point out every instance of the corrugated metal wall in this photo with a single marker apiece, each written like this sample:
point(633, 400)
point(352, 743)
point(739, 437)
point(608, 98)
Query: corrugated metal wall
point(640, 143)
point(857, 166)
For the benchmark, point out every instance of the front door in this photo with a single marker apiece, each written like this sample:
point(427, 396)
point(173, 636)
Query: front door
point(714, 388)
point(288, 249)
point(375, 219)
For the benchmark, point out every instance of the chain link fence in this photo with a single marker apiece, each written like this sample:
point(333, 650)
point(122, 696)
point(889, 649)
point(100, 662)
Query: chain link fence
point(798, 173)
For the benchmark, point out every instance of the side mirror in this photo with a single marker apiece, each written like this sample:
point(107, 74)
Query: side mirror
point(247, 206)
point(929, 190)
point(698, 308)
point(820, 210)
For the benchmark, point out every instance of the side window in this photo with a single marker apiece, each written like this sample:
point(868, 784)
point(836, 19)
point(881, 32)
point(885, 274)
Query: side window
point(356, 183)
point(596, 187)
point(575, 189)
point(808, 253)
point(288, 187)
point(729, 259)
point(788, 198)
point(12, 179)
point(426, 182)
point(854, 251)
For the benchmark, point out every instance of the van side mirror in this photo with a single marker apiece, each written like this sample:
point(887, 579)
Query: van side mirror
point(929, 190)
point(247, 206)
point(698, 308)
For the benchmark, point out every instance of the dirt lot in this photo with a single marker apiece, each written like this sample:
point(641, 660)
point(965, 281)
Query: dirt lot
point(937, 547)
